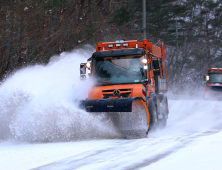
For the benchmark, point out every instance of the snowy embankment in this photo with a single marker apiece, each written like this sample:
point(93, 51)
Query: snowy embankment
point(40, 127)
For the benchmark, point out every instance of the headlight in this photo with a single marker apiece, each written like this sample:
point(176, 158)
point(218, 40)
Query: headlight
point(88, 64)
point(207, 78)
point(144, 61)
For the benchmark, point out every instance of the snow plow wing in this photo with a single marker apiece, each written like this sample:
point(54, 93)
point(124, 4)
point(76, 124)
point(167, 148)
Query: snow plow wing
point(129, 116)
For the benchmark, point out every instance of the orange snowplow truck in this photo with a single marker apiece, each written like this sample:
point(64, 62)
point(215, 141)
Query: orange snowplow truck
point(213, 80)
point(131, 85)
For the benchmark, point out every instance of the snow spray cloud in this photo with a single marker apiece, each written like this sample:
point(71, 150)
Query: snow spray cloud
point(37, 103)
point(192, 116)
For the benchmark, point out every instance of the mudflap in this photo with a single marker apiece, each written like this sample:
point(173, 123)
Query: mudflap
point(129, 116)
point(158, 109)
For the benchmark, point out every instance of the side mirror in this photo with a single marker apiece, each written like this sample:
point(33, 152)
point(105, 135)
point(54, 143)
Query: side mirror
point(204, 77)
point(82, 69)
point(156, 64)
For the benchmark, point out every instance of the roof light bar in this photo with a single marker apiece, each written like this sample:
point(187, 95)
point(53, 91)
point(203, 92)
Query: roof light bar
point(110, 45)
point(99, 44)
point(118, 45)
point(119, 41)
point(125, 44)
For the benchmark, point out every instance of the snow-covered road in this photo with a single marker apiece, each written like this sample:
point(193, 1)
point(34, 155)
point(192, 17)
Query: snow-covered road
point(191, 140)
point(184, 152)
point(41, 128)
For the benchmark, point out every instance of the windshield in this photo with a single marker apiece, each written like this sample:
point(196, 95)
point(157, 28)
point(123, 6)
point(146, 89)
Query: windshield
point(215, 78)
point(119, 70)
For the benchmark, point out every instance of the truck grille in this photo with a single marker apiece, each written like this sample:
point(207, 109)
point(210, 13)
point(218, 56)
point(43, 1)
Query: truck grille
point(110, 93)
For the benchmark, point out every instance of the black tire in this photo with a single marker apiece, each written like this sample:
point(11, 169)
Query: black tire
point(167, 108)
point(153, 114)
point(161, 123)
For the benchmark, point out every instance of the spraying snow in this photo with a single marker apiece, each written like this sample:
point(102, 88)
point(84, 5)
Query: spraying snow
point(191, 116)
point(38, 103)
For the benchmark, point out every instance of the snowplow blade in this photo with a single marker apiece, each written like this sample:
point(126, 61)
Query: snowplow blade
point(109, 105)
point(129, 116)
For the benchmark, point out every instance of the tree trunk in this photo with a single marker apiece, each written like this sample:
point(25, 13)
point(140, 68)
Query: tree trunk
point(43, 38)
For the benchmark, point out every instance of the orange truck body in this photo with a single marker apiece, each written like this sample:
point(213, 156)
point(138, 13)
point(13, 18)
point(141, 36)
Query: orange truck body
point(123, 58)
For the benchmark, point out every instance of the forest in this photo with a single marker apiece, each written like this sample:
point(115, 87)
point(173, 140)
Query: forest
point(32, 31)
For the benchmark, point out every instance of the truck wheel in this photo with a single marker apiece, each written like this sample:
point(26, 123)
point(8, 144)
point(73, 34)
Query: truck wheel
point(161, 123)
point(153, 114)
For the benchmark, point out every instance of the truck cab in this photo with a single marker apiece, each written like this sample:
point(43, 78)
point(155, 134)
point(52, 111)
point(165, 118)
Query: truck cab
point(121, 69)
point(213, 80)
